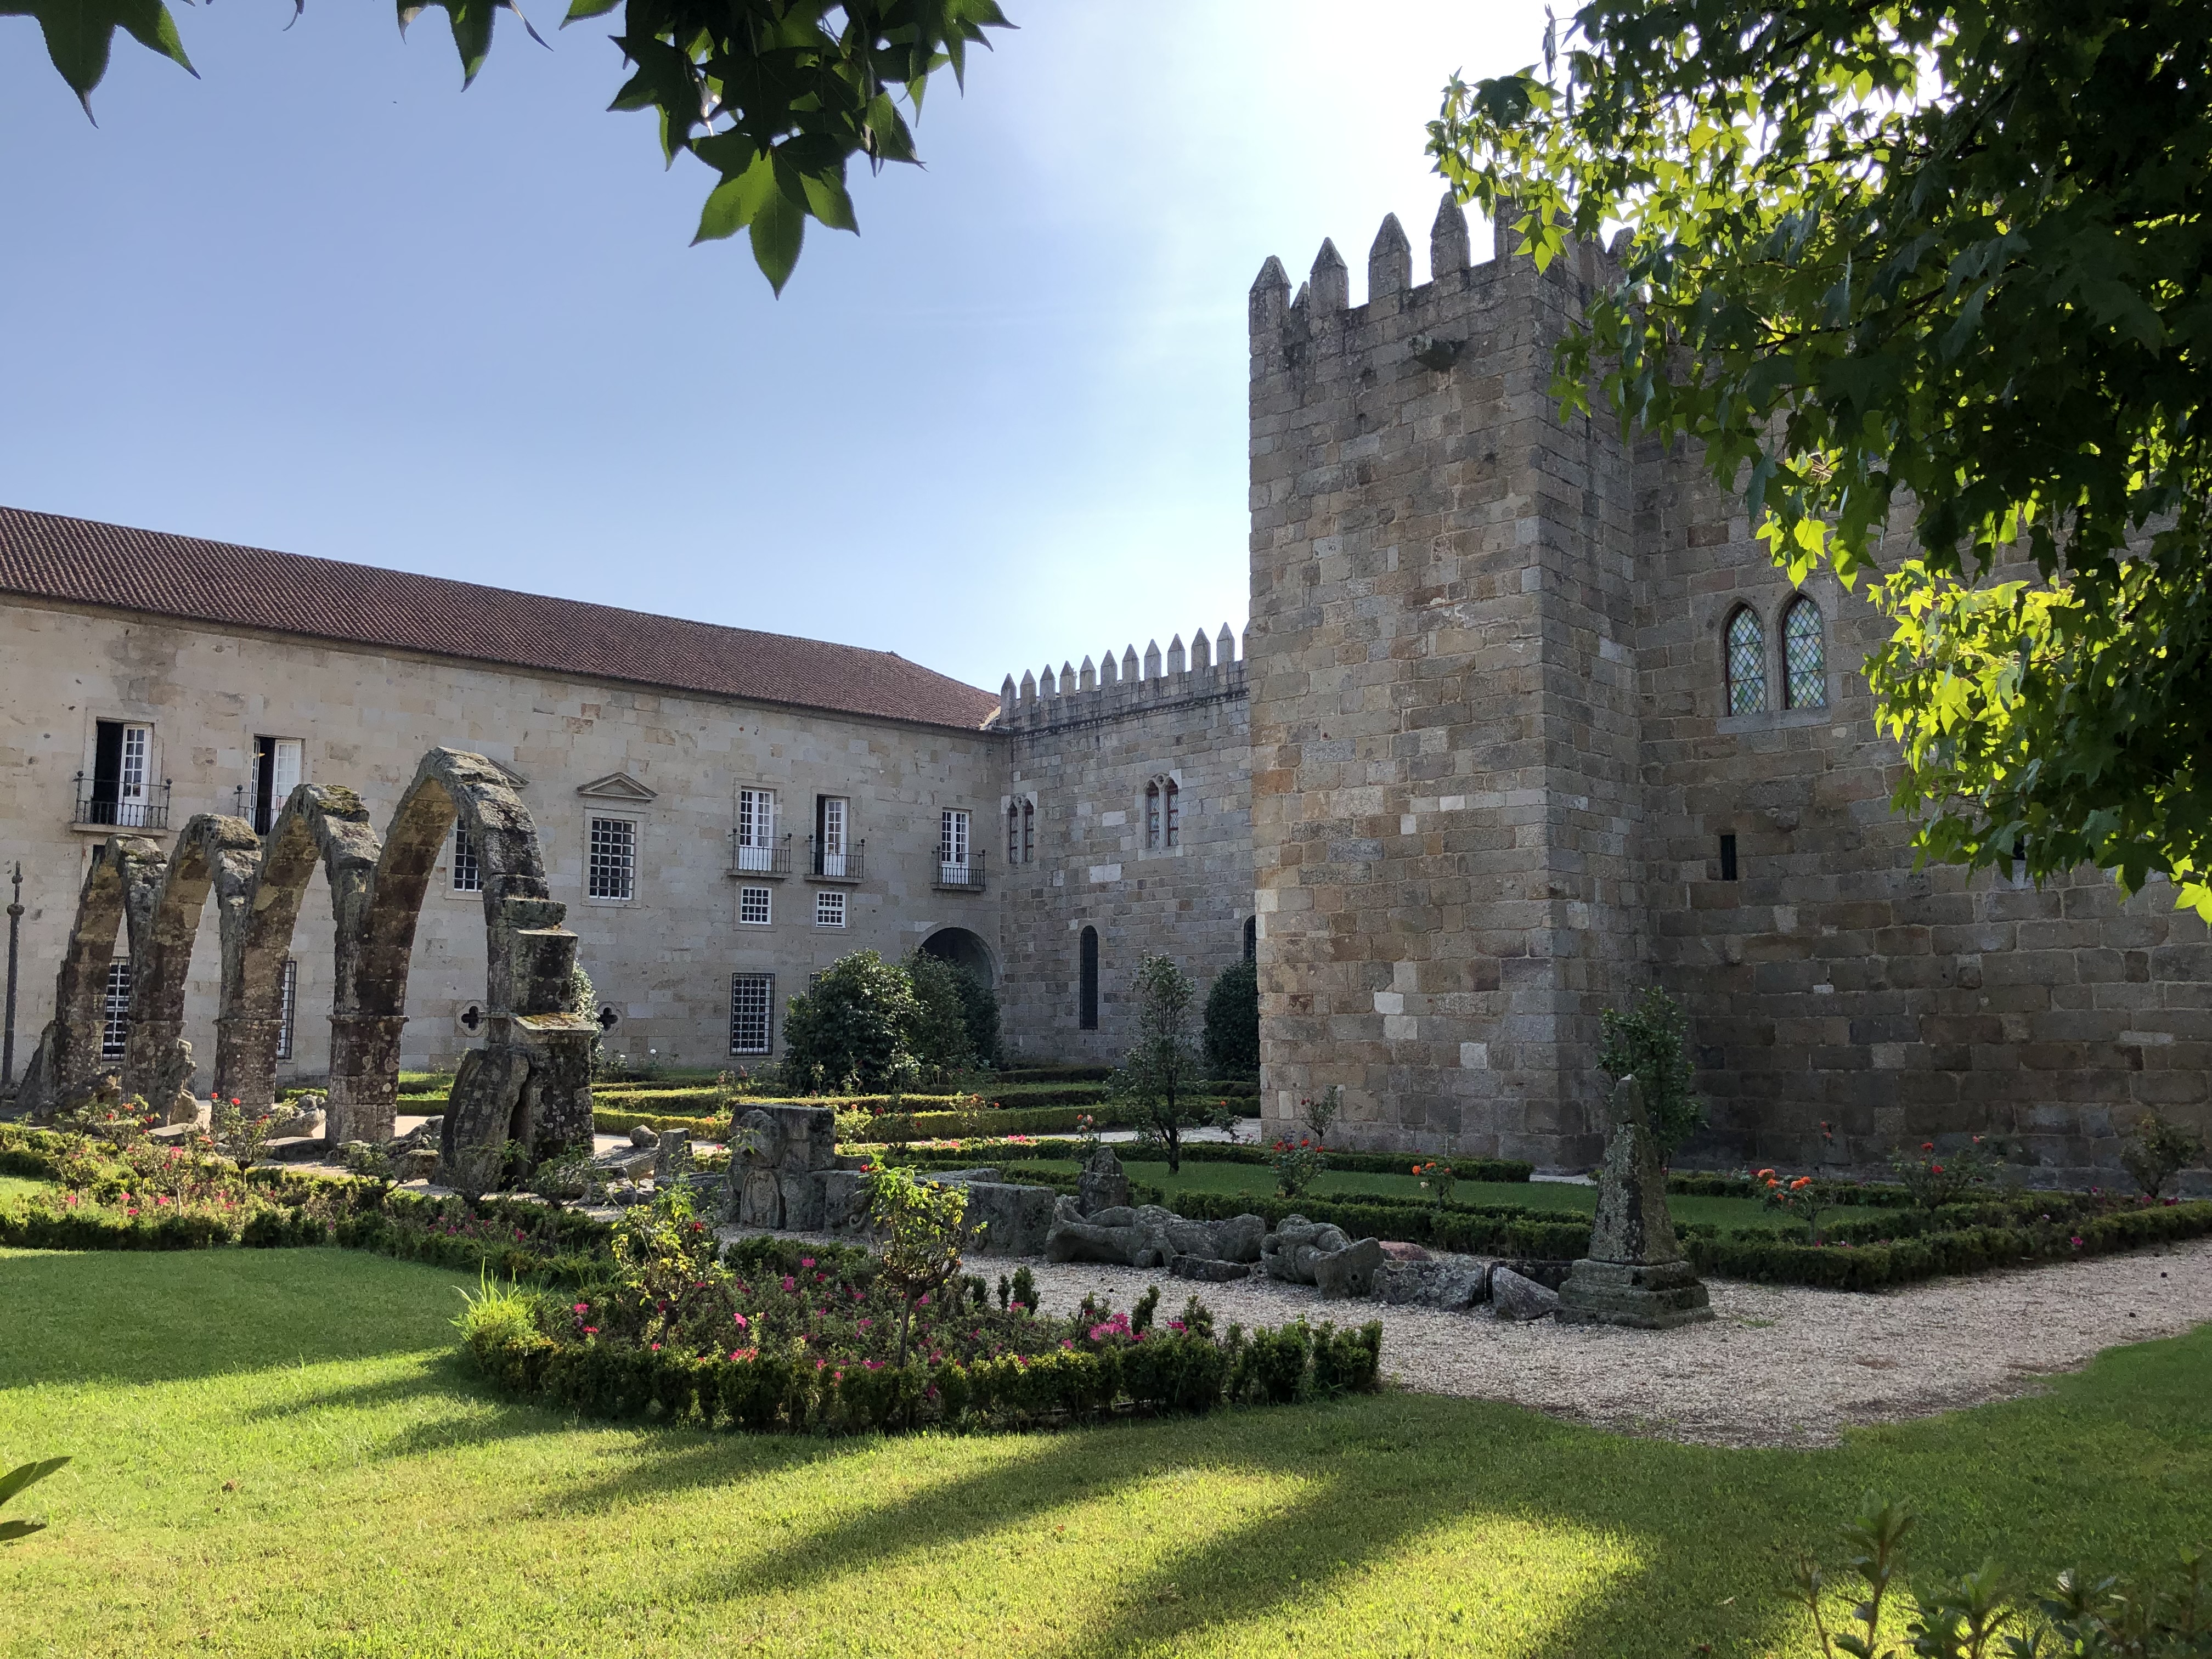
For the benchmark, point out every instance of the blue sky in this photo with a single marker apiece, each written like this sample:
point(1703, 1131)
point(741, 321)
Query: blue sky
point(321, 300)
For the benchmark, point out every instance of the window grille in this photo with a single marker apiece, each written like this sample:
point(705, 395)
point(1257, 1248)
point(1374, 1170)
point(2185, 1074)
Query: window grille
point(1173, 793)
point(755, 906)
point(613, 871)
point(468, 869)
point(829, 908)
point(752, 998)
point(1014, 834)
point(1086, 992)
point(1029, 832)
point(115, 1012)
point(755, 829)
point(1152, 814)
point(1746, 663)
point(288, 1002)
point(1804, 657)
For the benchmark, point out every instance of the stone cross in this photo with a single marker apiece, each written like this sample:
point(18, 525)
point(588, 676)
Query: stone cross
point(1635, 1274)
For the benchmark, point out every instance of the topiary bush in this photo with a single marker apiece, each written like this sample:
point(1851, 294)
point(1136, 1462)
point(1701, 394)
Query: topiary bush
point(938, 1035)
point(1232, 1022)
point(853, 1029)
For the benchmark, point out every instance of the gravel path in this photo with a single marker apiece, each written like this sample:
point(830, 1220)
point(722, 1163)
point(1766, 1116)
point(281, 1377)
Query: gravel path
point(1779, 1366)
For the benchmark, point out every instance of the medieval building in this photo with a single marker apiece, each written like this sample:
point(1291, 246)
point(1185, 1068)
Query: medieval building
point(1525, 722)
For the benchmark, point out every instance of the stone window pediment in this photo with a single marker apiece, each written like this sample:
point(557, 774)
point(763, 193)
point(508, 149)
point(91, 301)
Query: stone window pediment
point(617, 785)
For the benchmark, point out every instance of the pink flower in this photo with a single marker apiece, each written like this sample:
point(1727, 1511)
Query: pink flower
point(739, 1320)
point(806, 1261)
point(2077, 1241)
point(583, 1307)
point(873, 1364)
point(789, 1283)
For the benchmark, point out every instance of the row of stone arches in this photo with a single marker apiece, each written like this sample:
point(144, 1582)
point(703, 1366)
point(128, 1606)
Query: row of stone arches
point(529, 1083)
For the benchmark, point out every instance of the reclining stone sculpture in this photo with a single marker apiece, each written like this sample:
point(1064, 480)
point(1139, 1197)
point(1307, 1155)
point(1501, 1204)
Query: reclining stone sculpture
point(1148, 1237)
point(1317, 1253)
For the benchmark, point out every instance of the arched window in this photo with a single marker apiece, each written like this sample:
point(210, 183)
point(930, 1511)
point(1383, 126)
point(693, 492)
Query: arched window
point(1029, 832)
point(1804, 656)
point(1746, 663)
point(1251, 939)
point(1173, 793)
point(1152, 814)
point(1013, 833)
point(1086, 993)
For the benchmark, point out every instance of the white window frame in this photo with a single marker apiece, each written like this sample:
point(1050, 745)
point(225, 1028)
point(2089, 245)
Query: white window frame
point(830, 910)
point(288, 769)
point(467, 867)
point(288, 1005)
point(763, 899)
point(592, 872)
point(755, 829)
point(833, 818)
point(115, 1009)
point(758, 993)
point(955, 833)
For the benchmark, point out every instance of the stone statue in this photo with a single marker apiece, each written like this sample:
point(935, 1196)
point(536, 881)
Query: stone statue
point(1102, 1185)
point(1148, 1237)
point(1320, 1254)
point(1635, 1274)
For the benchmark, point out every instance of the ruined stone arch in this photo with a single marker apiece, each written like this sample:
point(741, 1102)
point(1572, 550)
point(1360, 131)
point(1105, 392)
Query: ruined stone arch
point(212, 855)
point(117, 898)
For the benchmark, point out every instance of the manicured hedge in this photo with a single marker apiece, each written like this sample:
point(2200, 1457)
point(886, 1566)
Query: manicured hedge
point(1224, 1151)
point(768, 1394)
point(1492, 1230)
point(1860, 1193)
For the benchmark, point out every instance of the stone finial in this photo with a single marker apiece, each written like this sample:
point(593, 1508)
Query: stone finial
point(1109, 670)
point(1006, 698)
point(1129, 664)
point(1270, 294)
point(1067, 679)
point(1175, 655)
point(1152, 660)
point(1029, 690)
point(1047, 685)
point(1201, 652)
point(1225, 647)
point(1390, 261)
point(1332, 284)
point(1090, 680)
point(1448, 239)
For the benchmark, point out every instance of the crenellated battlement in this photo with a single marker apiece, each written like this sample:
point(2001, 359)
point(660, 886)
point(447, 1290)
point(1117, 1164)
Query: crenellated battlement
point(1125, 685)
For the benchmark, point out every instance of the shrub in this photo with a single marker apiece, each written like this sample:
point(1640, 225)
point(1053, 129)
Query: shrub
point(1937, 1178)
point(922, 1227)
point(1650, 1042)
point(496, 1316)
point(1297, 1167)
point(851, 1027)
point(1161, 1077)
point(979, 1005)
point(2159, 1150)
point(1232, 1022)
point(938, 1035)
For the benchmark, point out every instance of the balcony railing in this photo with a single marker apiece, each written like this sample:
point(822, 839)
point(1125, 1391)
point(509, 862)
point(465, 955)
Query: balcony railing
point(835, 864)
point(110, 804)
point(965, 876)
point(751, 860)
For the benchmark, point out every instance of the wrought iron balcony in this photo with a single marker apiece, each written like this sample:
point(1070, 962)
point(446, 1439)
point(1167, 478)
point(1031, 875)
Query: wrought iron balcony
point(751, 860)
point(108, 804)
point(964, 877)
point(835, 864)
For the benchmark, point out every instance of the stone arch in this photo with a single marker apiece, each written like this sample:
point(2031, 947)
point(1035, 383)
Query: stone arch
point(963, 949)
point(118, 897)
point(213, 853)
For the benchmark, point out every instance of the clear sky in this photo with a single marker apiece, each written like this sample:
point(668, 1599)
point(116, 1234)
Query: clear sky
point(322, 301)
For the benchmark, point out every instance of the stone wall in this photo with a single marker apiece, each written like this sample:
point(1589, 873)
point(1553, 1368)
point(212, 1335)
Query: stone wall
point(1082, 753)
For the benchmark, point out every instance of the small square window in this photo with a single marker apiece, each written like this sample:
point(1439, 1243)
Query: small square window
point(755, 907)
point(752, 998)
point(830, 909)
point(613, 869)
point(468, 869)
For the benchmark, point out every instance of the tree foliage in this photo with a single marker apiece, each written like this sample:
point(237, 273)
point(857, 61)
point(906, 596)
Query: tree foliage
point(1940, 264)
point(776, 96)
point(1651, 1043)
point(853, 1027)
point(1162, 1074)
point(939, 1036)
point(1232, 1022)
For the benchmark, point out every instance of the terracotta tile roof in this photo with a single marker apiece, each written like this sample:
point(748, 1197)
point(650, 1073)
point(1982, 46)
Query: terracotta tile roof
point(82, 562)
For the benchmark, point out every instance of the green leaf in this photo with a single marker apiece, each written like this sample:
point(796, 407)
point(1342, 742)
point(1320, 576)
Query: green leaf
point(27, 1475)
point(79, 33)
point(471, 21)
point(737, 201)
point(778, 229)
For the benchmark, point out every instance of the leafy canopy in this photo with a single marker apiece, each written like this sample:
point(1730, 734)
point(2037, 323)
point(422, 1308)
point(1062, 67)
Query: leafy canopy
point(1942, 265)
point(1162, 1074)
point(776, 96)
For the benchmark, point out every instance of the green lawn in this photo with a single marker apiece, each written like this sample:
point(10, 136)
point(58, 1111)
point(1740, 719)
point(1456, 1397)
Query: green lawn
point(277, 1453)
point(15, 1187)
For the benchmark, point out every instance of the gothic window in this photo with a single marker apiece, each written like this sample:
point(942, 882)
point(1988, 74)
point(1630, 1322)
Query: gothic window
point(1746, 663)
point(1152, 814)
point(1804, 657)
point(1029, 832)
point(1086, 997)
point(1173, 797)
point(1251, 939)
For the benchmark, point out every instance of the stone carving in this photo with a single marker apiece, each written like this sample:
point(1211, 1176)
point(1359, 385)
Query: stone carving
point(1316, 1252)
point(1454, 1283)
point(1514, 1295)
point(1148, 1237)
point(1102, 1185)
point(672, 1156)
point(1002, 1217)
point(1635, 1274)
point(779, 1155)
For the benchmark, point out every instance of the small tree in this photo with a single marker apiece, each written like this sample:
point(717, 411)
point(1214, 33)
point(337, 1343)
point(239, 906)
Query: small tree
point(1162, 1074)
point(2159, 1150)
point(1232, 1022)
point(853, 1025)
point(1650, 1042)
point(979, 1005)
point(923, 1227)
point(938, 1037)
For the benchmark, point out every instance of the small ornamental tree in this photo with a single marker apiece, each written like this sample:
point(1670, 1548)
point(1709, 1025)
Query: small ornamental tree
point(979, 1005)
point(1161, 1076)
point(939, 1038)
point(922, 1226)
point(2158, 1151)
point(853, 1027)
point(1650, 1042)
point(1232, 1022)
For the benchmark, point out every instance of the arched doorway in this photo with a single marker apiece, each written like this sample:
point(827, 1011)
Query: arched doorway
point(964, 950)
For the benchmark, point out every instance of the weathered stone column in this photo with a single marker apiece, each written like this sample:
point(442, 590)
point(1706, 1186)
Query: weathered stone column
point(1635, 1274)
point(364, 1097)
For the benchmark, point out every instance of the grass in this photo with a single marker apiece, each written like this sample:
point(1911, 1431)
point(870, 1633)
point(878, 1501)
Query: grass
point(15, 1187)
point(278, 1453)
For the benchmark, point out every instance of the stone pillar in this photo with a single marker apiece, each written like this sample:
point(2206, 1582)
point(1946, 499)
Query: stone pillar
point(364, 1076)
point(245, 1060)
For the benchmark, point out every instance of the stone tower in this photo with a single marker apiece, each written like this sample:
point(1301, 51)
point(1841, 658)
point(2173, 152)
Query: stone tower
point(1444, 796)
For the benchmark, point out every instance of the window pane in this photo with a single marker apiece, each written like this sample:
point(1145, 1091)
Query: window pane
point(754, 905)
point(614, 858)
point(1029, 832)
point(830, 909)
point(115, 1012)
point(1175, 813)
point(1747, 664)
point(1804, 658)
point(751, 997)
point(468, 872)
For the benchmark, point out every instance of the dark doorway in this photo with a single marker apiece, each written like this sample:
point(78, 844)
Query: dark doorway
point(964, 950)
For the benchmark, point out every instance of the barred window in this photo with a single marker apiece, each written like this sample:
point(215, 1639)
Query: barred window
point(752, 998)
point(1173, 794)
point(1029, 832)
point(1804, 657)
point(829, 908)
point(1746, 663)
point(468, 870)
point(115, 1012)
point(613, 873)
point(1014, 834)
point(288, 1002)
point(755, 906)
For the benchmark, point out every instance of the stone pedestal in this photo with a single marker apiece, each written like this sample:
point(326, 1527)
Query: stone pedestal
point(1635, 1275)
point(1651, 1296)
